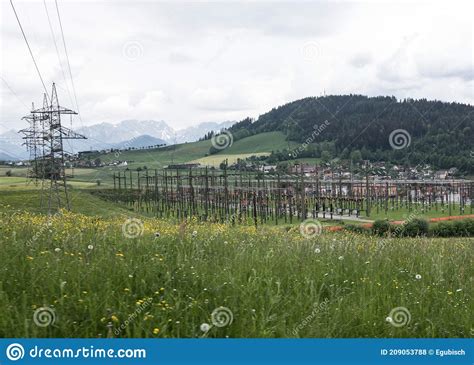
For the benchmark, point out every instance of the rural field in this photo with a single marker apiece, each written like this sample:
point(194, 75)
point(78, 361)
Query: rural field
point(242, 182)
point(120, 274)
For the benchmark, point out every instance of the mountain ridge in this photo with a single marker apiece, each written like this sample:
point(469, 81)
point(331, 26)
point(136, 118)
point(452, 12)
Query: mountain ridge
point(124, 134)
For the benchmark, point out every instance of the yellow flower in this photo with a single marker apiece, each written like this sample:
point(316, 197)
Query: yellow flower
point(114, 318)
point(156, 331)
point(126, 289)
point(119, 254)
point(29, 257)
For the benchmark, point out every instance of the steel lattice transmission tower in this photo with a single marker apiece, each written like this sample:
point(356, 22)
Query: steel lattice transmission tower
point(33, 143)
point(46, 135)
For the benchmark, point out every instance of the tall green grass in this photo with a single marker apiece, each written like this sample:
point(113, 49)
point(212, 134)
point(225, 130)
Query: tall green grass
point(274, 281)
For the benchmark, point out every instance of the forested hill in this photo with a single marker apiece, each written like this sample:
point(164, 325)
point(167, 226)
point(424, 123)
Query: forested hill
point(442, 134)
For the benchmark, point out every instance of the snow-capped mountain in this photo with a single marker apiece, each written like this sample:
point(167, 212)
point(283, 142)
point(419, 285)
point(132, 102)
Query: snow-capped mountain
point(108, 133)
point(129, 133)
point(11, 147)
point(192, 134)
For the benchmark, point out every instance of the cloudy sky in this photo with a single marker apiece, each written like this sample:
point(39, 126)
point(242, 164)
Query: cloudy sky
point(190, 62)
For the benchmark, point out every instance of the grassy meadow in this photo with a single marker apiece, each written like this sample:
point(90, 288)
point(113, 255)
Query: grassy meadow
point(96, 274)
point(103, 270)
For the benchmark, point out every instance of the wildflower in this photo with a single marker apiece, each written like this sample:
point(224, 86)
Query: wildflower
point(90, 247)
point(388, 319)
point(157, 234)
point(119, 254)
point(340, 258)
point(114, 318)
point(57, 249)
point(205, 327)
point(458, 290)
point(194, 234)
point(417, 276)
point(29, 257)
point(317, 250)
point(156, 331)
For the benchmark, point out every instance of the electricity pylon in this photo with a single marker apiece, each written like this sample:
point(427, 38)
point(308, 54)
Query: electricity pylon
point(53, 157)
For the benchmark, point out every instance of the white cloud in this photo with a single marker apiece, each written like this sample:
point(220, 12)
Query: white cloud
point(218, 61)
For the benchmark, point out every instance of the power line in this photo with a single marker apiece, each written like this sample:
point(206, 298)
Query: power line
point(57, 51)
point(68, 63)
point(29, 48)
point(14, 93)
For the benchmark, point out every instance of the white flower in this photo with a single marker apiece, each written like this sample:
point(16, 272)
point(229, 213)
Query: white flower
point(194, 234)
point(340, 258)
point(205, 327)
point(90, 247)
point(417, 276)
point(388, 319)
point(157, 234)
point(317, 250)
point(458, 290)
point(57, 249)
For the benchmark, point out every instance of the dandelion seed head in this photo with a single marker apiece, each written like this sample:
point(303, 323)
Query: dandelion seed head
point(205, 327)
